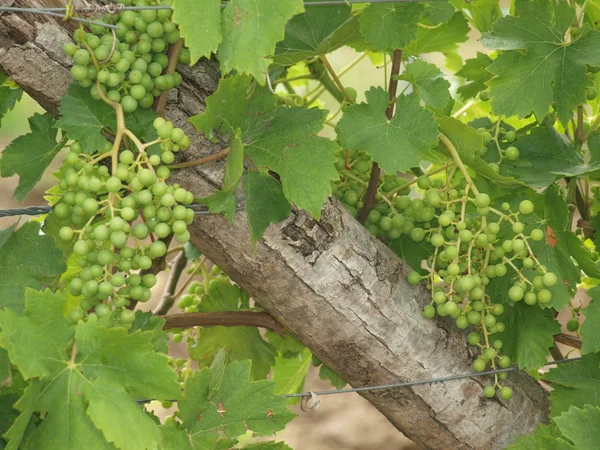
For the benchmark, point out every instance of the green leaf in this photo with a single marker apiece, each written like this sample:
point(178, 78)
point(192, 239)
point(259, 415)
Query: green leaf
point(238, 406)
point(444, 38)
point(265, 202)
point(146, 321)
point(89, 396)
point(289, 372)
point(590, 329)
point(411, 252)
point(468, 144)
point(320, 30)
point(235, 163)
point(544, 437)
point(582, 426)
point(82, 118)
point(528, 334)
point(394, 144)
point(325, 373)
point(199, 26)
point(390, 26)
point(19, 270)
point(29, 155)
point(438, 12)
point(241, 342)
point(10, 95)
point(474, 70)
point(483, 13)
point(191, 252)
point(251, 28)
point(286, 344)
point(283, 140)
point(574, 384)
point(428, 82)
point(551, 70)
point(221, 202)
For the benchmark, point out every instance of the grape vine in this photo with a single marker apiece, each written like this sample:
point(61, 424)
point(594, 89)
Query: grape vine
point(480, 173)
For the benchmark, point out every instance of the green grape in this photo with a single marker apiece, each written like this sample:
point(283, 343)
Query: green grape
point(537, 234)
point(515, 293)
point(414, 278)
point(129, 104)
point(512, 153)
point(549, 279)
point(544, 296)
point(506, 393)
point(473, 338)
point(479, 365)
point(526, 207)
point(511, 136)
point(474, 317)
point(75, 316)
point(530, 298)
point(428, 312)
point(66, 233)
point(573, 325)
point(482, 200)
point(489, 391)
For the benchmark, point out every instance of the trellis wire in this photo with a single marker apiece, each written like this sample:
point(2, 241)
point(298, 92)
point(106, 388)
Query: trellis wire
point(38, 210)
point(377, 387)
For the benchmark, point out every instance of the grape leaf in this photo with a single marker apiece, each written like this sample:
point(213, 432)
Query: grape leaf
point(325, 373)
point(241, 342)
point(289, 372)
point(438, 12)
point(90, 401)
point(544, 437)
point(590, 329)
point(221, 202)
point(544, 149)
point(17, 268)
point(235, 163)
point(574, 384)
point(199, 26)
point(444, 38)
point(474, 70)
point(146, 321)
point(582, 426)
point(239, 405)
point(4, 367)
point(411, 252)
point(265, 202)
point(483, 13)
point(9, 95)
point(251, 28)
point(283, 140)
point(394, 144)
point(286, 344)
point(528, 334)
point(29, 155)
point(389, 26)
point(551, 70)
point(428, 82)
point(318, 31)
point(468, 144)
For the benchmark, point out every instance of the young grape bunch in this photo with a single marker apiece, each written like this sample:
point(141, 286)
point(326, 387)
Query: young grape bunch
point(130, 69)
point(119, 221)
point(472, 244)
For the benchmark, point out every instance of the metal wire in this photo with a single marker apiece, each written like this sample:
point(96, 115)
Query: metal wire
point(199, 209)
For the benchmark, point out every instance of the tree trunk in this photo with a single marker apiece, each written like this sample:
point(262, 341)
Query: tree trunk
point(339, 290)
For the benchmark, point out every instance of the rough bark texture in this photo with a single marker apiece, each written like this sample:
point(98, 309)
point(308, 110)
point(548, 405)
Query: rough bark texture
point(339, 290)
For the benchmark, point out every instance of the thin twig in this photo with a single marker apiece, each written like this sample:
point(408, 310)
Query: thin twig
point(567, 339)
point(223, 319)
point(168, 297)
point(336, 79)
point(369, 198)
point(161, 102)
point(196, 162)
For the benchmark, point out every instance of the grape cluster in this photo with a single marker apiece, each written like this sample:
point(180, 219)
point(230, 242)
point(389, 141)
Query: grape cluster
point(119, 221)
point(472, 243)
point(131, 69)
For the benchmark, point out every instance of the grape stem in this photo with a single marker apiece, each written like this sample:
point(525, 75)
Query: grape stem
point(168, 299)
point(196, 162)
point(369, 198)
point(450, 147)
point(174, 50)
point(197, 269)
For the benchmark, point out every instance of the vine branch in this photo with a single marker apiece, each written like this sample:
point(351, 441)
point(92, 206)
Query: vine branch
point(223, 319)
point(168, 297)
point(369, 199)
point(196, 162)
point(174, 50)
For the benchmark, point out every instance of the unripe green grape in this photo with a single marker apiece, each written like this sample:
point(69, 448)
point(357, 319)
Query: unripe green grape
point(127, 316)
point(414, 278)
point(489, 391)
point(118, 239)
point(91, 287)
point(515, 293)
point(462, 322)
point(128, 213)
point(512, 153)
point(489, 353)
point(137, 91)
point(506, 393)
point(417, 234)
point(136, 292)
point(489, 320)
point(544, 296)
point(518, 245)
point(537, 234)
point(145, 262)
point(117, 280)
point(75, 316)
point(66, 233)
point(474, 317)
point(453, 269)
point(528, 263)
point(479, 365)
point(511, 136)
point(465, 235)
point(530, 298)
point(162, 230)
point(500, 270)
point(482, 200)
point(591, 93)
point(428, 311)
point(473, 338)
point(500, 327)
point(461, 226)
point(105, 257)
point(75, 286)
point(573, 325)
point(526, 207)
point(549, 279)
point(149, 280)
point(79, 72)
point(96, 271)
point(437, 240)
point(81, 248)
point(140, 231)
point(105, 289)
point(129, 104)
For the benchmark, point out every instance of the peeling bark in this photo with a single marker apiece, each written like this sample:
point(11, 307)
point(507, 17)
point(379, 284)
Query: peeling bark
point(339, 290)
